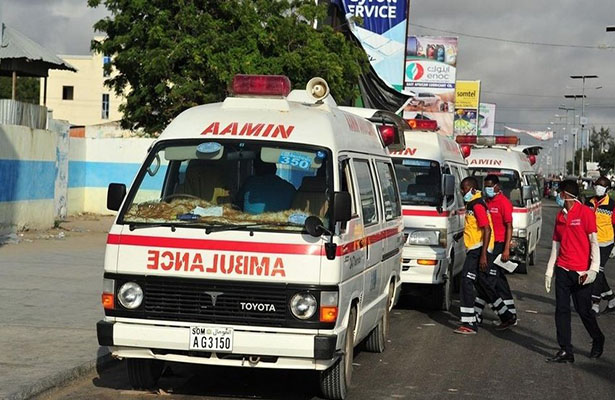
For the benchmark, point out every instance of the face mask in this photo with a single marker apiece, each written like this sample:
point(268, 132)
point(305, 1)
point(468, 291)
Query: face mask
point(560, 202)
point(600, 190)
point(490, 191)
point(468, 196)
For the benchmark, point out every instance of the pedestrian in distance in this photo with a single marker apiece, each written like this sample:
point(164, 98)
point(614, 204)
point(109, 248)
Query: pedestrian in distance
point(575, 261)
point(603, 207)
point(500, 210)
point(478, 267)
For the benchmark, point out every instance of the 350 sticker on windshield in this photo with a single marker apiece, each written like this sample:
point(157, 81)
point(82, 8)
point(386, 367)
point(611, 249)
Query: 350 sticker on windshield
point(295, 159)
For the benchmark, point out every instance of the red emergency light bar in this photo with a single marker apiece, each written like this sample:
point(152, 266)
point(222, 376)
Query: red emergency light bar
point(387, 133)
point(487, 140)
point(261, 85)
point(423, 124)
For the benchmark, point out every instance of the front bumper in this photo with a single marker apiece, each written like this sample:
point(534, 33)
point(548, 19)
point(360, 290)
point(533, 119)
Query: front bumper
point(170, 343)
point(412, 272)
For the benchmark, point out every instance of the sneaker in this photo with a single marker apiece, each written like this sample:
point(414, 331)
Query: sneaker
point(465, 330)
point(561, 357)
point(608, 310)
point(596, 308)
point(597, 348)
point(506, 324)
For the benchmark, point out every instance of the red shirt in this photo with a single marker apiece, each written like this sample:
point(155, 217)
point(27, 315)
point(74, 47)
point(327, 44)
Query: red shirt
point(572, 230)
point(500, 209)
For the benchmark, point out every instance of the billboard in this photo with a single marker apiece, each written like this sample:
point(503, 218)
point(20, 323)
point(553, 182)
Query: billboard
point(382, 33)
point(430, 72)
point(486, 119)
point(467, 95)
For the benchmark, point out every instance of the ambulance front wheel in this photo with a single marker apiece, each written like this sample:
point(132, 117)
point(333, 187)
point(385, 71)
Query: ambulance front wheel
point(335, 381)
point(532, 255)
point(143, 374)
point(522, 267)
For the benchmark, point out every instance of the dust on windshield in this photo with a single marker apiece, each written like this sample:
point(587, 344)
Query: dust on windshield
point(232, 184)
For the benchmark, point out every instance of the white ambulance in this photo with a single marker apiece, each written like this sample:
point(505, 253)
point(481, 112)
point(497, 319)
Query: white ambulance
point(261, 232)
point(429, 171)
point(501, 156)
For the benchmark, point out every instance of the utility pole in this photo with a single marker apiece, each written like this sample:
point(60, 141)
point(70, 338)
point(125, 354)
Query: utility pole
point(574, 136)
point(583, 77)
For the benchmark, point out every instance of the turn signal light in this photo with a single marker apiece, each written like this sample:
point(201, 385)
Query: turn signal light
point(427, 262)
point(108, 301)
point(328, 314)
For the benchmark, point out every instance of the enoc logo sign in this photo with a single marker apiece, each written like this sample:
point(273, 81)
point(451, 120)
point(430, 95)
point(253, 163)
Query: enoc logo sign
point(414, 71)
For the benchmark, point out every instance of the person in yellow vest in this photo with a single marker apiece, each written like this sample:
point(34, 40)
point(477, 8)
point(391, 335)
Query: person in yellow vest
point(603, 206)
point(478, 269)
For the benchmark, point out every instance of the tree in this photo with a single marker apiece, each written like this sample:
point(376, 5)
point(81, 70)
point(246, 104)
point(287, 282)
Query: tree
point(603, 146)
point(27, 89)
point(172, 55)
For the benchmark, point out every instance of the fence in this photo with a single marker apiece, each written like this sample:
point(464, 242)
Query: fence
point(14, 112)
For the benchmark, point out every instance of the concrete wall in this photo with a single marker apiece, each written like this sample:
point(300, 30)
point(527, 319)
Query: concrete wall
point(28, 170)
point(94, 163)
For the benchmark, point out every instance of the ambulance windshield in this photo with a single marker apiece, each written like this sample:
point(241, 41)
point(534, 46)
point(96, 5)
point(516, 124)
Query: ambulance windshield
point(419, 181)
point(510, 183)
point(231, 185)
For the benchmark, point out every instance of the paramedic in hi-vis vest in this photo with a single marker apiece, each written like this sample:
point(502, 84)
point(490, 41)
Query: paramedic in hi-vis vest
point(575, 259)
point(478, 265)
point(500, 210)
point(603, 206)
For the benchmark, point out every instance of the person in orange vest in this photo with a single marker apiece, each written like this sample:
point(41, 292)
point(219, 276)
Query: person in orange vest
point(478, 268)
point(603, 207)
point(575, 261)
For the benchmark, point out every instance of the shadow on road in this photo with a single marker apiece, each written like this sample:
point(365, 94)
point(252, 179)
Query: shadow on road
point(522, 296)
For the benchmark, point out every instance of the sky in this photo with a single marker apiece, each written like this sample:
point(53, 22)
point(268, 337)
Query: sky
point(527, 82)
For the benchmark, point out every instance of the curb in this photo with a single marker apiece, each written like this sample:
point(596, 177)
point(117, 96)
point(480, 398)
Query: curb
point(62, 378)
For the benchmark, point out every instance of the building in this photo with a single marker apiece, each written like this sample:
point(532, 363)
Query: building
point(81, 98)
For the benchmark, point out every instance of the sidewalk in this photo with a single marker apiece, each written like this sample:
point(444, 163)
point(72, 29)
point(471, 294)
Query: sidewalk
point(50, 285)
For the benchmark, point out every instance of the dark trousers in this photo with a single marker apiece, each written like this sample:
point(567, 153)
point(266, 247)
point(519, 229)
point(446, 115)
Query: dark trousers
point(600, 287)
point(484, 282)
point(501, 287)
point(566, 286)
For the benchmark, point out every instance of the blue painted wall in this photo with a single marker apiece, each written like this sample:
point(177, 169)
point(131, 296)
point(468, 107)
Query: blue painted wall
point(27, 180)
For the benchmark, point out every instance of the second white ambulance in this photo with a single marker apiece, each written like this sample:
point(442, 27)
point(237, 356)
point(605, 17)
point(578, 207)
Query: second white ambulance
point(261, 232)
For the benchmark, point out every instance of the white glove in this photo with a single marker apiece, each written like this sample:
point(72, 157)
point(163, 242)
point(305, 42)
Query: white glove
point(551, 265)
point(594, 267)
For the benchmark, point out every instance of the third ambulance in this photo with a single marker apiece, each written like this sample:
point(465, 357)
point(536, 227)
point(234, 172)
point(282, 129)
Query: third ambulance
point(501, 156)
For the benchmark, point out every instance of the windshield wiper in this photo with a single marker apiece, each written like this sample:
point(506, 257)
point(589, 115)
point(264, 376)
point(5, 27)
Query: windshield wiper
point(229, 227)
point(140, 225)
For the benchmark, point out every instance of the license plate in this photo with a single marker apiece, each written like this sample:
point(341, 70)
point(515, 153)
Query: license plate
point(211, 338)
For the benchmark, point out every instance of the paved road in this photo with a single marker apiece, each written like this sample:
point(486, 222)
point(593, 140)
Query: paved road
point(424, 360)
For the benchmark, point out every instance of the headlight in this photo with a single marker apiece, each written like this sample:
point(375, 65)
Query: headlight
point(424, 238)
point(130, 295)
point(303, 305)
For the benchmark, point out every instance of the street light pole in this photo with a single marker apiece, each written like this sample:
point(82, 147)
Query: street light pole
point(574, 98)
point(583, 77)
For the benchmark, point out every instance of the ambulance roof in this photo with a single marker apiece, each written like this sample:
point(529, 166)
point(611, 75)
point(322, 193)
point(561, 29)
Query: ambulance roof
point(430, 146)
point(277, 119)
point(499, 157)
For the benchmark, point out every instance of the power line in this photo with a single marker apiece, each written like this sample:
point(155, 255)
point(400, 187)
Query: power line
point(582, 46)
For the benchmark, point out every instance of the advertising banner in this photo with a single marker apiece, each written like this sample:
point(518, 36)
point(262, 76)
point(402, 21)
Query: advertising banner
point(486, 119)
point(467, 94)
point(382, 33)
point(430, 72)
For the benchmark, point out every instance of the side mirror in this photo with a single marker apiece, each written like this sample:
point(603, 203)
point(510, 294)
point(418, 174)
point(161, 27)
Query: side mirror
point(313, 226)
point(448, 185)
point(342, 208)
point(526, 193)
point(115, 196)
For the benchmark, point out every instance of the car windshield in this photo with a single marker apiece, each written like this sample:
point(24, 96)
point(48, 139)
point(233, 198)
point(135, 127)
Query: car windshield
point(510, 183)
point(231, 184)
point(419, 181)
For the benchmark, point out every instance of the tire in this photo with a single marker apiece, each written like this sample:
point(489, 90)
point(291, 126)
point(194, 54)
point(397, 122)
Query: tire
point(522, 267)
point(377, 338)
point(143, 374)
point(335, 381)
